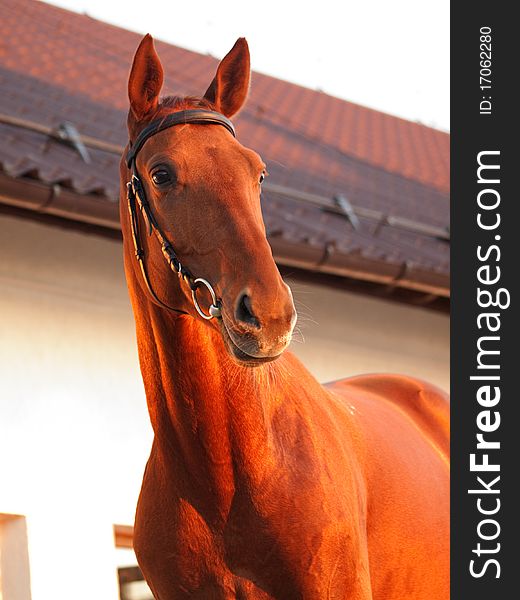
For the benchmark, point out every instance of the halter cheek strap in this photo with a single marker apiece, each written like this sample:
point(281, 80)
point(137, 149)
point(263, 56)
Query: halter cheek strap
point(136, 197)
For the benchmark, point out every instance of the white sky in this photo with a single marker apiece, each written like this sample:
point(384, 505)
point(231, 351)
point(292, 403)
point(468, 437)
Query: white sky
point(392, 55)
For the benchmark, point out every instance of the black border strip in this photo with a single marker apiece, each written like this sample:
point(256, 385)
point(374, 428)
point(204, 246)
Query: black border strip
point(474, 132)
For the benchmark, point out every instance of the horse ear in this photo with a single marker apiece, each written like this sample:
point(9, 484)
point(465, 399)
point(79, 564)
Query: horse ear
point(228, 90)
point(146, 79)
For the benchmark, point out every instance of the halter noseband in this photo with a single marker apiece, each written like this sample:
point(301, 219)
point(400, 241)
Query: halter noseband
point(137, 197)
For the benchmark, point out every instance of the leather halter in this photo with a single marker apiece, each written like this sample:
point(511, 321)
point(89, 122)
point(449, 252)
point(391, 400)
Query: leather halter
point(137, 197)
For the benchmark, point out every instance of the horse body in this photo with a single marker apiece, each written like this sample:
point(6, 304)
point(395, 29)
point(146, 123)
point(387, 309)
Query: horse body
point(262, 483)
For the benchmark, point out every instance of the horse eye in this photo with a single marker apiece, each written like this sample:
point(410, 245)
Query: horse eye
point(160, 177)
point(262, 177)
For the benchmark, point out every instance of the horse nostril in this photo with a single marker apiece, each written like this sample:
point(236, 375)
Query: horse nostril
point(244, 312)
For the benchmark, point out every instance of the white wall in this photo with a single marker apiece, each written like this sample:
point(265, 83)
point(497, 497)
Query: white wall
point(347, 334)
point(74, 431)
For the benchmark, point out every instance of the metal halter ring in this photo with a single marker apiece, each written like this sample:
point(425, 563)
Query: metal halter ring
point(214, 309)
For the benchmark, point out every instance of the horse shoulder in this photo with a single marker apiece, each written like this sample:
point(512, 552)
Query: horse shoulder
point(425, 404)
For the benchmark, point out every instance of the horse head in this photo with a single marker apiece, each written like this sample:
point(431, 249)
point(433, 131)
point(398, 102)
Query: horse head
point(201, 189)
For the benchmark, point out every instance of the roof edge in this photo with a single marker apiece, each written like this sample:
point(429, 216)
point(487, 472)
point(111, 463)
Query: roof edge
point(56, 200)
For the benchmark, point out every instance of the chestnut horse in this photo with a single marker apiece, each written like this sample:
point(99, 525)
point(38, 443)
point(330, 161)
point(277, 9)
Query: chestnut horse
point(261, 483)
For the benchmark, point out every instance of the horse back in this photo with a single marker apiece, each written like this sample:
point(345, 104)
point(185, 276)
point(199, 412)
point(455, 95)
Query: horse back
point(425, 404)
point(401, 433)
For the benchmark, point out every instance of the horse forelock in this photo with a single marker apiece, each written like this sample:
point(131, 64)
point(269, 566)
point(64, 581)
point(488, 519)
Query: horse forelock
point(176, 103)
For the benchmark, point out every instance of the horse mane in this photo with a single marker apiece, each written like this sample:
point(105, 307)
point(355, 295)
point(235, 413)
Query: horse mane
point(176, 103)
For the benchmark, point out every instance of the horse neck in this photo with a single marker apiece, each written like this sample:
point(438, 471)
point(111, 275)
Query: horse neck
point(210, 415)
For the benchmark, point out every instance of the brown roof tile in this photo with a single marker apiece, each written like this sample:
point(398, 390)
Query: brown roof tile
point(60, 66)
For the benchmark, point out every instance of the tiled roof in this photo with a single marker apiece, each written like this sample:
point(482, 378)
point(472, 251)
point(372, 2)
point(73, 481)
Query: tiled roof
point(58, 66)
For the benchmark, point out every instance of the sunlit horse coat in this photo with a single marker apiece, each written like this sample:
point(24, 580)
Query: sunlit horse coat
point(262, 483)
